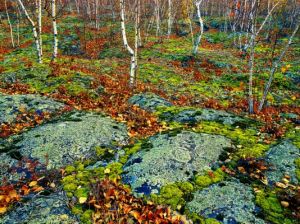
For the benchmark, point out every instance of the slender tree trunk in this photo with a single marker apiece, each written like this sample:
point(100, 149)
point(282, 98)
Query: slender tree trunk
point(34, 31)
point(125, 42)
point(54, 24)
point(275, 67)
point(170, 19)
point(40, 29)
point(10, 26)
point(198, 40)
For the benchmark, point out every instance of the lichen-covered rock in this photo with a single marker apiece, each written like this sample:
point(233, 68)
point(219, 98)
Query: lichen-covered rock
point(229, 202)
point(148, 101)
point(194, 116)
point(172, 158)
point(12, 105)
point(5, 165)
point(282, 160)
point(50, 209)
point(62, 142)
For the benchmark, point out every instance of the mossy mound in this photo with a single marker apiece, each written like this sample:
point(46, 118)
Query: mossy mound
point(228, 202)
point(282, 158)
point(64, 141)
point(13, 105)
point(42, 210)
point(172, 158)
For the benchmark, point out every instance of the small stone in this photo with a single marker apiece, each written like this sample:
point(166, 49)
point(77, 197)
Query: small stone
point(286, 181)
point(284, 204)
point(281, 185)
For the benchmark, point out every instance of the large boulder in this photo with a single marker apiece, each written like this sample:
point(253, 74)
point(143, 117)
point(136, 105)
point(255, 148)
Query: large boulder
point(282, 160)
point(229, 202)
point(148, 101)
point(50, 209)
point(65, 141)
point(13, 105)
point(172, 158)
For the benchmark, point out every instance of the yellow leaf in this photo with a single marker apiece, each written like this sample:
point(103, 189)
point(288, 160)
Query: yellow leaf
point(32, 183)
point(82, 200)
point(3, 210)
point(107, 170)
point(293, 97)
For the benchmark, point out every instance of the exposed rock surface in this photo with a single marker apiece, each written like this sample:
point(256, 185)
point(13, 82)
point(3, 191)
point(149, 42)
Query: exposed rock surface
point(12, 105)
point(148, 101)
point(282, 159)
point(228, 202)
point(66, 141)
point(50, 209)
point(173, 158)
point(6, 162)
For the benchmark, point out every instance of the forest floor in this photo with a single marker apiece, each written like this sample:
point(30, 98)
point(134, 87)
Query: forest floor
point(77, 144)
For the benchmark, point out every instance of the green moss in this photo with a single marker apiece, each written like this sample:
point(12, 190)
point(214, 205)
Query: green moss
point(104, 153)
point(77, 210)
point(69, 169)
point(86, 217)
point(203, 181)
point(272, 208)
point(247, 138)
point(211, 221)
point(170, 195)
point(82, 192)
point(209, 178)
point(71, 187)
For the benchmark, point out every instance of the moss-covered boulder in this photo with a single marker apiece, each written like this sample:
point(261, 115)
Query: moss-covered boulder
point(13, 105)
point(228, 202)
point(148, 101)
point(171, 158)
point(52, 209)
point(282, 160)
point(65, 141)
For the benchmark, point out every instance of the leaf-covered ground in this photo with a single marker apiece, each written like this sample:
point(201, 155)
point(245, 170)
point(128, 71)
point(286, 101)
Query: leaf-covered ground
point(179, 148)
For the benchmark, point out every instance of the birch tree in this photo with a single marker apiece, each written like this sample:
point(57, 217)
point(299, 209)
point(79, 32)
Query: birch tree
point(170, 19)
point(198, 39)
point(34, 31)
point(252, 43)
point(54, 24)
point(275, 67)
point(133, 53)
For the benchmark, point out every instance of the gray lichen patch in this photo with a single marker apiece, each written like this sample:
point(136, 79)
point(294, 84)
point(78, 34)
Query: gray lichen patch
point(228, 202)
point(65, 141)
point(148, 101)
point(173, 158)
point(12, 105)
point(6, 163)
point(50, 209)
point(282, 160)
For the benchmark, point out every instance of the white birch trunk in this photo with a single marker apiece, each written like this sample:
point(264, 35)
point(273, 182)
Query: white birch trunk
point(126, 45)
point(275, 67)
point(170, 19)
point(34, 31)
point(40, 29)
point(198, 40)
point(54, 24)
